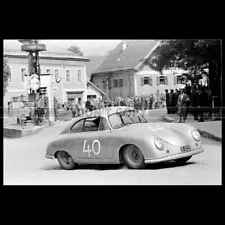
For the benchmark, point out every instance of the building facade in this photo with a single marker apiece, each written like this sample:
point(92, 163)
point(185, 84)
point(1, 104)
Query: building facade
point(124, 74)
point(67, 79)
point(94, 92)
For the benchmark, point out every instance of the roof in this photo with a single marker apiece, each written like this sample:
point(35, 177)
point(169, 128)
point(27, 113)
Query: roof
point(105, 112)
point(13, 48)
point(89, 82)
point(95, 61)
point(130, 58)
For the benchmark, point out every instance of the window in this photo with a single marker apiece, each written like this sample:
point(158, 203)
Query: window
point(162, 80)
point(79, 75)
point(103, 125)
point(121, 83)
point(115, 83)
point(77, 127)
point(121, 119)
point(146, 81)
point(115, 120)
point(67, 75)
point(91, 124)
point(56, 74)
point(48, 71)
point(178, 80)
point(23, 73)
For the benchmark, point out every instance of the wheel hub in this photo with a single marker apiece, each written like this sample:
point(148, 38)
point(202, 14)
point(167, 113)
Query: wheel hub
point(135, 155)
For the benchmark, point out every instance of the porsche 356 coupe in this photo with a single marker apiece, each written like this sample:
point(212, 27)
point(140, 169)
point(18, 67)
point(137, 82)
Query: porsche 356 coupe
point(122, 135)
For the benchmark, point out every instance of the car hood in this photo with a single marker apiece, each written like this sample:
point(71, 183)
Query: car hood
point(177, 136)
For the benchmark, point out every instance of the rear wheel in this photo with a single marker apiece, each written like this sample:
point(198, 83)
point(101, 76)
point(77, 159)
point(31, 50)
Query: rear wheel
point(182, 160)
point(133, 157)
point(65, 160)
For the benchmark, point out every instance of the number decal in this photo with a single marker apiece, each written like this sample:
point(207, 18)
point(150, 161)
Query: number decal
point(99, 147)
point(88, 150)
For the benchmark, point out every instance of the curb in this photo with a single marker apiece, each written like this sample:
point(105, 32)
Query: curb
point(202, 132)
point(18, 133)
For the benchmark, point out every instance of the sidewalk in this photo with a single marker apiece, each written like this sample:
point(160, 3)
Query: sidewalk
point(209, 128)
point(16, 131)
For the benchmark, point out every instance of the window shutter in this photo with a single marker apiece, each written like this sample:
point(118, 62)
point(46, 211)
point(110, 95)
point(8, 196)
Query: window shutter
point(142, 81)
point(166, 80)
point(158, 80)
point(175, 80)
point(150, 81)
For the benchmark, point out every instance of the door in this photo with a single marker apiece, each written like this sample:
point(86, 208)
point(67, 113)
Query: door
point(94, 141)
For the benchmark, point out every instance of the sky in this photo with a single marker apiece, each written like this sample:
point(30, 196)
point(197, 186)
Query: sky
point(89, 47)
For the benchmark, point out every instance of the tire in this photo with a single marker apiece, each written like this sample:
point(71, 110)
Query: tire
point(65, 160)
point(182, 160)
point(133, 157)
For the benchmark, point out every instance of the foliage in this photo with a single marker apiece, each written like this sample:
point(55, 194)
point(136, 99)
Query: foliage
point(194, 56)
point(75, 50)
point(6, 74)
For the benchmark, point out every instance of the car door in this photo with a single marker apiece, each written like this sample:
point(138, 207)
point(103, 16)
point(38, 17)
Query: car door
point(95, 139)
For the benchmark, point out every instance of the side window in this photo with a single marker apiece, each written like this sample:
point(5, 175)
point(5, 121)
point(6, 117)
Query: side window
point(115, 120)
point(77, 127)
point(103, 125)
point(91, 124)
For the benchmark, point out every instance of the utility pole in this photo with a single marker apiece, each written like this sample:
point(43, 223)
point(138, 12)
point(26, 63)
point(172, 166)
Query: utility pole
point(33, 48)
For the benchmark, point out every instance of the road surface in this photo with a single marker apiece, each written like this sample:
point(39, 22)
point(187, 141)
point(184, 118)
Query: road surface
point(25, 164)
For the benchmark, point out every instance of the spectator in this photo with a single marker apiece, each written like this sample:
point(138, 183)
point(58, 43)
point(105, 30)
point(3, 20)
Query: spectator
point(153, 101)
point(167, 101)
point(55, 110)
point(176, 95)
point(74, 109)
point(172, 101)
point(88, 104)
point(209, 92)
point(182, 105)
point(80, 107)
point(203, 102)
point(195, 100)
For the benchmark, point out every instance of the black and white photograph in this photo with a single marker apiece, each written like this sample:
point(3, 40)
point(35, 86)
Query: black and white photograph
point(112, 112)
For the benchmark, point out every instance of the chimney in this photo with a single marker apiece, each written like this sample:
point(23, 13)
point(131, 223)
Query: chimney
point(124, 45)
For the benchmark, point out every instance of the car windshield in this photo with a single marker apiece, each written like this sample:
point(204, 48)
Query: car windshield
point(121, 119)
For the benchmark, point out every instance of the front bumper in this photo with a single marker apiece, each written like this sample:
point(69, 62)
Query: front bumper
point(175, 156)
point(49, 157)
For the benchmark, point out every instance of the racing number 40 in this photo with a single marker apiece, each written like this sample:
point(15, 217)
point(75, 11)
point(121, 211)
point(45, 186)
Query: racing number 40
point(93, 149)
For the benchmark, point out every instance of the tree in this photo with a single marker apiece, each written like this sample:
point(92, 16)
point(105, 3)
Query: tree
point(6, 74)
point(76, 50)
point(196, 56)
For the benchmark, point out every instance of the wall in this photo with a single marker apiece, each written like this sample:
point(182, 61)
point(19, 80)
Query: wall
point(17, 87)
point(93, 91)
point(147, 89)
point(128, 88)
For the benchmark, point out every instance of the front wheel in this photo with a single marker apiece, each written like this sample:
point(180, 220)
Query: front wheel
point(182, 160)
point(133, 157)
point(65, 160)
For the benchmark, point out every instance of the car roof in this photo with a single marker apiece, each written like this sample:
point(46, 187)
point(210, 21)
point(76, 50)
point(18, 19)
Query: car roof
point(105, 112)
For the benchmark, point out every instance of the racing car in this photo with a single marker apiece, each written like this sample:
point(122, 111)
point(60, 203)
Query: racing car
point(118, 135)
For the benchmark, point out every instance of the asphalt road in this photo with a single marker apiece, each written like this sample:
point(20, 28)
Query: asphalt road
point(25, 164)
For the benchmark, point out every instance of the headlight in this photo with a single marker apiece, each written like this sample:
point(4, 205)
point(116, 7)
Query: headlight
point(159, 144)
point(196, 135)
